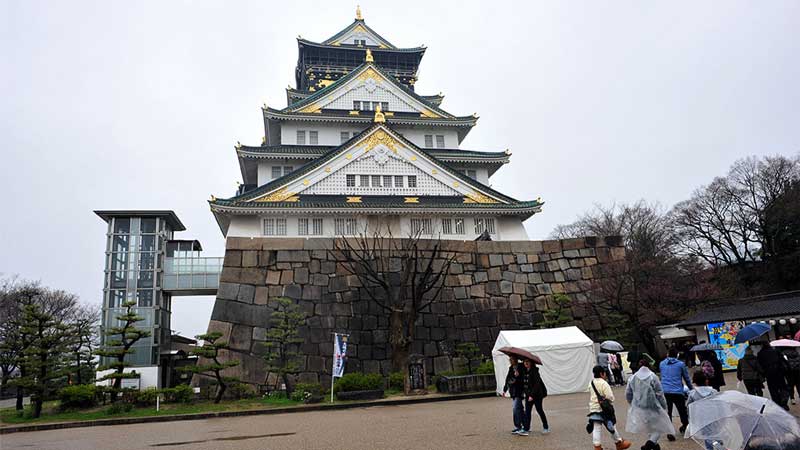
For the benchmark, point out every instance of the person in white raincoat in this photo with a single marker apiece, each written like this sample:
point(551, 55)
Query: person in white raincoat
point(648, 410)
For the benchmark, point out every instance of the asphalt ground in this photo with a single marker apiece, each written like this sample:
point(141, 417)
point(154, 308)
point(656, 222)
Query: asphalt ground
point(483, 423)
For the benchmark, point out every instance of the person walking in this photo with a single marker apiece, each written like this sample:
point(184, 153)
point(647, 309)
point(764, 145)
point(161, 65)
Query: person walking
point(604, 360)
point(648, 407)
point(615, 362)
point(702, 390)
point(673, 374)
point(535, 391)
point(775, 368)
point(601, 411)
point(792, 371)
point(513, 388)
point(749, 372)
point(718, 380)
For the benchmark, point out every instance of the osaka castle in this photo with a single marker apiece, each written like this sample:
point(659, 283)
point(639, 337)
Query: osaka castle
point(358, 150)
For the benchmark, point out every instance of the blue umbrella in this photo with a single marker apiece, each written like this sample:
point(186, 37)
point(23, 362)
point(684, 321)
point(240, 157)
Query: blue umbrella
point(750, 332)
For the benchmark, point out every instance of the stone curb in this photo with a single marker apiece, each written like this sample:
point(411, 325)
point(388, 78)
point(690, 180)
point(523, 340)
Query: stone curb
point(252, 412)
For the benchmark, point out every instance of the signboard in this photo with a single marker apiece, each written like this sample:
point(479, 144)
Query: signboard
point(339, 354)
point(724, 333)
point(130, 383)
point(416, 376)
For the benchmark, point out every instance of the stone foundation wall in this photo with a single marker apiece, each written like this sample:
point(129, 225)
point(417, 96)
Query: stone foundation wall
point(491, 286)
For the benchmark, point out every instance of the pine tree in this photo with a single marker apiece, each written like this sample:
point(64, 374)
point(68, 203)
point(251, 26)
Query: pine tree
point(560, 315)
point(470, 352)
point(43, 356)
point(119, 341)
point(283, 341)
point(83, 340)
point(210, 350)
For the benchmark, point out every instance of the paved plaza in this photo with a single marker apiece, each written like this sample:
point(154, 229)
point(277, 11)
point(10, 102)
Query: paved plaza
point(482, 423)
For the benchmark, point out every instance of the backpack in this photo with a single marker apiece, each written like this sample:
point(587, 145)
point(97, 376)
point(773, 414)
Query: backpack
point(708, 369)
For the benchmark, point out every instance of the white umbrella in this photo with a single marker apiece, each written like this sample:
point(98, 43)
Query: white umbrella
point(738, 421)
point(612, 346)
point(785, 343)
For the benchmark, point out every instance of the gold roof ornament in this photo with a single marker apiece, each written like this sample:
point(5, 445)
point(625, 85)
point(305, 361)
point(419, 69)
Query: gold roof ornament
point(379, 117)
point(369, 56)
point(358, 13)
point(213, 199)
point(238, 145)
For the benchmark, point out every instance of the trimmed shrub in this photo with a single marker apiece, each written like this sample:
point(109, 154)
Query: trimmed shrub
point(119, 408)
point(240, 390)
point(182, 393)
point(308, 392)
point(79, 396)
point(145, 397)
point(396, 380)
point(359, 382)
point(486, 367)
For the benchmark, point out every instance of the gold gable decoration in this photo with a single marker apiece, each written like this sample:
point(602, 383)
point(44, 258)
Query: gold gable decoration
point(281, 195)
point(380, 137)
point(429, 113)
point(369, 57)
point(370, 73)
point(379, 117)
point(312, 108)
point(477, 197)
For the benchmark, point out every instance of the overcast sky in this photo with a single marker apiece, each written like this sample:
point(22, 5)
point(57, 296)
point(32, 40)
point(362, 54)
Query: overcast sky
point(138, 104)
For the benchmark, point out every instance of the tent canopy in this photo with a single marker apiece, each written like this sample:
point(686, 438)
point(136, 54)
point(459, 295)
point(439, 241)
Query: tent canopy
point(567, 357)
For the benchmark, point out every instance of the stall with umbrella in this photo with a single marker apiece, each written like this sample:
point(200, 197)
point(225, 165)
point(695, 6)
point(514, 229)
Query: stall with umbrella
point(736, 421)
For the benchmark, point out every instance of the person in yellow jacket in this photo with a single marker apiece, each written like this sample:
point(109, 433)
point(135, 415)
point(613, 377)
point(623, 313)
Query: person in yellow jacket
point(599, 390)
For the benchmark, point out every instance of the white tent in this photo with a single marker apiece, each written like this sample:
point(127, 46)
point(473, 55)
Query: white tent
point(567, 357)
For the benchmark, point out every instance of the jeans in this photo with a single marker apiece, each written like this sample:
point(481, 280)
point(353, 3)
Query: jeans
point(597, 434)
point(519, 413)
point(680, 402)
point(528, 412)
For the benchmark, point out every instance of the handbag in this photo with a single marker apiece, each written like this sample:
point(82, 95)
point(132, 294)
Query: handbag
point(606, 406)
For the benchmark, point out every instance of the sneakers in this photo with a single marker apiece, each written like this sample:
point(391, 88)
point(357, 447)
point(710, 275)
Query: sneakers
point(546, 431)
point(670, 437)
point(516, 430)
point(523, 433)
point(623, 444)
point(682, 429)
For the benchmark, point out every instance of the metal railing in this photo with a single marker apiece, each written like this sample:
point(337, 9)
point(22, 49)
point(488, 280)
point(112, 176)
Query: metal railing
point(192, 275)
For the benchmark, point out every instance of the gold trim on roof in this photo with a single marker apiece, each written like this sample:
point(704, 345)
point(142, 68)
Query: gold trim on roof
point(369, 57)
point(358, 13)
point(477, 197)
point(379, 117)
point(429, 113)
point(411, 200)
point(370, 73)
point(281, 195)
point(380, 137)
point(353, 200)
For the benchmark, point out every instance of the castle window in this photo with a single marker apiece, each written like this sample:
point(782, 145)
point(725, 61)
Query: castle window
point(274, 227)
point(345, 227)
point(398, 181)
point(309, 227)
point(387, 181)
point(301, 137)
point(484, 224)
point(471, 173)
point(421, 226)
point(376, 181)
point(356, 105)
point(440, 141)
point(344, 136)
point(412, 181)
point(313, 137)
point(351, 181)
point(447, 226)
point(453, 226)
point(287, 170)
point(276, 172)
point(459, 225)
point(363, 181)
point(429, 140)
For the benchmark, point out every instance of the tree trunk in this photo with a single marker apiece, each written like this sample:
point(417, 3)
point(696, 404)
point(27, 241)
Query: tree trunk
point(37, 405)
point(288, 383)
point(401, 324)
point(221, 387)
point(19, 406)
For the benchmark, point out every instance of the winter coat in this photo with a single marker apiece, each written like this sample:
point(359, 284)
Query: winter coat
point(602, 359)
point(749, 369)
point(532, 384)
point(514, 383)
point(792, 359)
point(772, 362)
point(648, 410)
point(700, 392)
point(673, 374)
point(604, 389)
point(719, 376)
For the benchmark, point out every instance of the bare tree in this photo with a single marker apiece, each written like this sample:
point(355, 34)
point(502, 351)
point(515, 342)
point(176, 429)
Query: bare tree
point(403, 276)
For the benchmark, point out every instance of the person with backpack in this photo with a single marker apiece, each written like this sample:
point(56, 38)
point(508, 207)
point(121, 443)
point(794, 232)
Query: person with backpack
point(601, 411)
point(673, 375)
point(648, 407)
point(749, 372)
point(793, 371)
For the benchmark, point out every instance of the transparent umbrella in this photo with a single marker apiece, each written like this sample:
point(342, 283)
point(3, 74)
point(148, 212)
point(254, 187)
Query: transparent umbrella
point(736, 421)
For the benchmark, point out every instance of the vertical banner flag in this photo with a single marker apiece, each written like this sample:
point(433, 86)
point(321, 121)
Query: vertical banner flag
point(339, 354)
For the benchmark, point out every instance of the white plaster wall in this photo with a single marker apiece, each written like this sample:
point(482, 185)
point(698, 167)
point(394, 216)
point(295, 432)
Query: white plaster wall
point(374, 92)
point(417, 136)
point(149, 376)
point(265, 167)
point(506, 228)
point(360, 35)
point(511, 229)
point(329, 134)
point(481, 173)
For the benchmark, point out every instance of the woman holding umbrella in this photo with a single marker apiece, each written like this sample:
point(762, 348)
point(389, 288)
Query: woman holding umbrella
point(513, 387)
point(535, 392)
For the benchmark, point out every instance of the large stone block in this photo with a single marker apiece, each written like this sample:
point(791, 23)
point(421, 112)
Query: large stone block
point(495, 260)
point(247, 293)
point(551, 246)
point(233, 258)
point(250, 258)
point(241, 338)
point(240, 313)
point(228, 291)
point(442, 364)
point(506, 287)
point(301, 275)
point(242, 243)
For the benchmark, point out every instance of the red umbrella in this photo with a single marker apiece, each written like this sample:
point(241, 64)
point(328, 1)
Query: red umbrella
point(520, 353)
